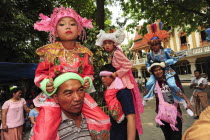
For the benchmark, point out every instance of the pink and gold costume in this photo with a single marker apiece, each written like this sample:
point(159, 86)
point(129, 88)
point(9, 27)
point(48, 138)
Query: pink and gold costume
point(55, 60)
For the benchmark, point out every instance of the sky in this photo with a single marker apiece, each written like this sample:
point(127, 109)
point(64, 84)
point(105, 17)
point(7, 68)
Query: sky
point(117, 13)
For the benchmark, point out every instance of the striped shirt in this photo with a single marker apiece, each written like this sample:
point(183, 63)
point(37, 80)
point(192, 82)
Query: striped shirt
point(68, 130)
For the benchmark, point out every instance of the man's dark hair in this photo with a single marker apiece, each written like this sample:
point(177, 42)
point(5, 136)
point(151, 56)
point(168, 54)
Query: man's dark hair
point(108, 67)
point(197, 71)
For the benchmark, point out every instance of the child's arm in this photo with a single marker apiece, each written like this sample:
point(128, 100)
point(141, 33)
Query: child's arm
point(148, 63)
point(32, 120)
point(4, 119)
point(171, 58)
point(31, 117)
point(188, 102)
point(88, 67)
point(42, 70)
point(123, 61)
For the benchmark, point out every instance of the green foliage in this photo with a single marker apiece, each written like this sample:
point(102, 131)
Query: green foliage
point(126, 50)
point(18, 38)
point(99, 59)
point(174, 13)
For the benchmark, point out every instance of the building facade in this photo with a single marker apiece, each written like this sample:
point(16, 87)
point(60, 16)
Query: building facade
point(194, 49)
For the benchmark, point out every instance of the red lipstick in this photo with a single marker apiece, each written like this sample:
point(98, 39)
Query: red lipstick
point(68, 32)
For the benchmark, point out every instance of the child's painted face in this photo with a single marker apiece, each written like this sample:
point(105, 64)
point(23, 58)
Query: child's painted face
point(67, 29)
point(155, 47)
point(108, 45)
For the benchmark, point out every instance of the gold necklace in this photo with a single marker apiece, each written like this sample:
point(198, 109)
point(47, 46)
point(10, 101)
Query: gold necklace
point(70, 50)
point(69, 56)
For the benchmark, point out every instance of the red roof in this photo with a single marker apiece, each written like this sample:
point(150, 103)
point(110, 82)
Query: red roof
point(138, 43)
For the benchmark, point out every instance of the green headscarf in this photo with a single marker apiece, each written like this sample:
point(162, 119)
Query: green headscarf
point(60, 80)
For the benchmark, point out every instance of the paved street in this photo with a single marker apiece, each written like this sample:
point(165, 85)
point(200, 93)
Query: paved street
point(151, 132)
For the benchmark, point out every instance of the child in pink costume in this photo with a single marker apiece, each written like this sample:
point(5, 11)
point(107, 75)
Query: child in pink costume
point(110, 42)
point(59, 57)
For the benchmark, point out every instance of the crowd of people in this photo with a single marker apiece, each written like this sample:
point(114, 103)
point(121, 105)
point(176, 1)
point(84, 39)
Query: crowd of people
point(65, 110)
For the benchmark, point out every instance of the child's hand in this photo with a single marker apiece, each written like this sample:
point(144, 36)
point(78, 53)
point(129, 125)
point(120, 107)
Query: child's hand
point(86, 84)
point(50, 86)
point(114, 75)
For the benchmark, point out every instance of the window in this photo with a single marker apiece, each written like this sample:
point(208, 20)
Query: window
point(203, 35)
point(145, 73)
point(182, 68)
point(201, 64)
point(135, 73)
point(183, 40)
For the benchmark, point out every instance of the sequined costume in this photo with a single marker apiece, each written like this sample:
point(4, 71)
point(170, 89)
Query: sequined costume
point(55, 59)
point(167, 56)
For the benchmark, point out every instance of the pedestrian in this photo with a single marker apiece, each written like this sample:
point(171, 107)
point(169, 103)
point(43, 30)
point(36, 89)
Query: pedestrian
point(110, 42)
point(199, 95)
point(33, 114)
point(70, 97)
point(139, 82)
point(64, 54)
point(126, 129)
point(168, 110)
point(13, 117)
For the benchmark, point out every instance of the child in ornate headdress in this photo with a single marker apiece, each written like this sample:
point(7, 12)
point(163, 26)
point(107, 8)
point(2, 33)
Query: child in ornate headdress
point(110, 42)
point(65, 55)
point(166, 57)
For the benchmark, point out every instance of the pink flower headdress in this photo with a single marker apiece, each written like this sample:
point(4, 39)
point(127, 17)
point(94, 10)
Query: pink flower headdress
point(48, 24)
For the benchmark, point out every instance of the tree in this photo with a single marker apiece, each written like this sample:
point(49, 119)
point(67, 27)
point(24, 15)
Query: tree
point(100, 14)
point(19, 40)
point(186, 14)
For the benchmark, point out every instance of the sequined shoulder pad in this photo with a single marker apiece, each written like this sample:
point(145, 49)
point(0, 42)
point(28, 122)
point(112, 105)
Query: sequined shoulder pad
point(83, 49)
point(49, 49)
